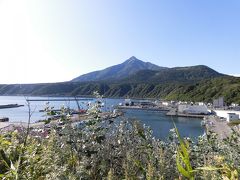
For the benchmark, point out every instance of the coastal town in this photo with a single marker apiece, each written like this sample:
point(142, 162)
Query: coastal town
point(216, 117)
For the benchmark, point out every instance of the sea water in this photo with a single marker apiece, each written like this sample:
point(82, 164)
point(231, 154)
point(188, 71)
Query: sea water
point(157, 121)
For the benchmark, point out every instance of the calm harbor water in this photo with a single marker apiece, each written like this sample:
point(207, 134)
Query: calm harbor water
point(159, 123)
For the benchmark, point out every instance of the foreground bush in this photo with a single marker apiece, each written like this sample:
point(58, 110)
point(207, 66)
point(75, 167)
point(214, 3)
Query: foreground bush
point(123, 149)
point(114, 149)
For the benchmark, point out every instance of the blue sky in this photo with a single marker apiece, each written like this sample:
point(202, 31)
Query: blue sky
point(57, 40)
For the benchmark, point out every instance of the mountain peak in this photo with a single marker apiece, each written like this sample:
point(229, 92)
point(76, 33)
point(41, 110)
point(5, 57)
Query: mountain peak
point(120, 71)
point(132, 59)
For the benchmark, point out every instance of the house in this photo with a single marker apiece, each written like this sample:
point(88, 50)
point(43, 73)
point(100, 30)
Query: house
point(232, 117)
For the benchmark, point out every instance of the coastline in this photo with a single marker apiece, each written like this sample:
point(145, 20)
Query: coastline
point(74, 119)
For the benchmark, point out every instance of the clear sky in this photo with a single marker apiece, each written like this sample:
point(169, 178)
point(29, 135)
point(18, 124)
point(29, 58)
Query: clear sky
point(57, 40)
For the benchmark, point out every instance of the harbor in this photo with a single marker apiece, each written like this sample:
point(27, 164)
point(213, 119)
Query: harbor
point(215, 118)
point(150, 111)
point(144, 108)
point(155, 119)
point(177, 109)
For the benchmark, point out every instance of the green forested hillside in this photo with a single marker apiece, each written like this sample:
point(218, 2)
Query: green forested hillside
point(228, 87)
point(193, 83)
point(205, 90)
point(174, 75)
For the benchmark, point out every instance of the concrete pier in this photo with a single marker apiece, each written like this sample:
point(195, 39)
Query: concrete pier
point(174, 112)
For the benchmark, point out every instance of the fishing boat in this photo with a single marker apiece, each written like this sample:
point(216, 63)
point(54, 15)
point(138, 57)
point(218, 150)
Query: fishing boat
point(4, 119)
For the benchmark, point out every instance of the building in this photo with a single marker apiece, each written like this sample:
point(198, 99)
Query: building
point(166, 103)
point(225, 113)
point(192, 109)
point(232, 117)
point(218, 103)
point(200, 103)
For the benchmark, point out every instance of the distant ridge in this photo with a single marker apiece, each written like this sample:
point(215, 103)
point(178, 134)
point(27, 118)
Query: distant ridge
point(174, 75)
point(117, 72)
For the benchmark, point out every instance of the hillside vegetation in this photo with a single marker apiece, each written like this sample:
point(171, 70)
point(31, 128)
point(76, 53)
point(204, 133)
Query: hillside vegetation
point(189, 74)
point(228, 87)
point(205, 90)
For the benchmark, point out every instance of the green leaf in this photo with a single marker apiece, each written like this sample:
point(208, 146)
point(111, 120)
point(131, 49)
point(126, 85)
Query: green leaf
point(181, 168)
point(183, 160)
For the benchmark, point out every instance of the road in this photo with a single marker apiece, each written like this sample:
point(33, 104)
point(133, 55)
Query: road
point(218, 126)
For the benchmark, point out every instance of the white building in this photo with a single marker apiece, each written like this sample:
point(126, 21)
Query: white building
point(232, 117)
point(200, 103)
point(183, 102)
point(192, 109)
point(224, 113)
point(166, 103)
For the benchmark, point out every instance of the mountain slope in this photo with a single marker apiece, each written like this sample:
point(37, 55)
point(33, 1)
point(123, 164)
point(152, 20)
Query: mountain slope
point(117, 72)
point(205, 90)
point(174, 75)
point(194, 83)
